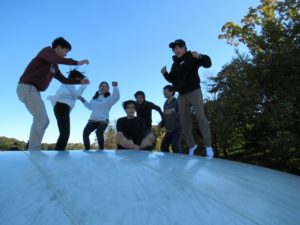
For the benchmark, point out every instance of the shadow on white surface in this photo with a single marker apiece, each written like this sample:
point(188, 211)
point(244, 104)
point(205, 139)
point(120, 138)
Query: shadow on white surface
point(137, 187)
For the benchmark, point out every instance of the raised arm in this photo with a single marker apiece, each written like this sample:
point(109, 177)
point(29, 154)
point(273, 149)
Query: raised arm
point(116, 93)
point(167, 75)
point(202, 60)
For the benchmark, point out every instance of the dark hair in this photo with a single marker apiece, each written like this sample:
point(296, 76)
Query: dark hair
point(76, 74)
point(170, 88)
point(62, 43)
point(128, 102)
point(179, 42)
point(105, 94)
point(180, 46)
point(139, 93)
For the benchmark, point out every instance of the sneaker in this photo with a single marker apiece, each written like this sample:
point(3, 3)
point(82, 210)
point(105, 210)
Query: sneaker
point(209, 152)
point(192, 149)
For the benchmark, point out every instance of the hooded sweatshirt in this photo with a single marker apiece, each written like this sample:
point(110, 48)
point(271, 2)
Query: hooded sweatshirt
point(101, 106)
point(184, 72)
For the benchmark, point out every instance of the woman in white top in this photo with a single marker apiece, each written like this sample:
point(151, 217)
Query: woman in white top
point(63, 102)
point(100, 106)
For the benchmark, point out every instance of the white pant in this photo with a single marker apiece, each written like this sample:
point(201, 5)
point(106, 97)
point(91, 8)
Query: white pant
point(35, 105)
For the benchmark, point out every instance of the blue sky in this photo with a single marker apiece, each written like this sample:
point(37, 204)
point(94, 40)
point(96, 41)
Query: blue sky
point(126, 41)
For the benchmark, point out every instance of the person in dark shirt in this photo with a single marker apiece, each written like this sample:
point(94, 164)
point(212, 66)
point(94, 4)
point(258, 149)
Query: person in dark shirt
point(171, 122)
point(185, 78)
point(132, 133)
point(37, 77)
point(144, 108)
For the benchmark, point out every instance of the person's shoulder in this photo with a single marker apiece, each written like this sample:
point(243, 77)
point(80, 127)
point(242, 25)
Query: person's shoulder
point(149, 103)
point(47, 49)
point(188, 55)
point(122, 118)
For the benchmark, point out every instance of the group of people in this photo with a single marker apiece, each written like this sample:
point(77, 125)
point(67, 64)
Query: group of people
point(133, 130)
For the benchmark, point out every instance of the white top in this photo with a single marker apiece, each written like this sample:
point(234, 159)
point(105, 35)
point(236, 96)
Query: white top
point(101, 106)
point(67, 94)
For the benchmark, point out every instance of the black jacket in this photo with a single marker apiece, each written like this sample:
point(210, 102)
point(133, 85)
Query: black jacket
point(184, 72)
point(144, 111)
point(171, 122)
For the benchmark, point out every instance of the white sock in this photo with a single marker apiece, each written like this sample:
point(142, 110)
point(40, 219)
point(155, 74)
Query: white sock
point(209, 152)
point(192, 149)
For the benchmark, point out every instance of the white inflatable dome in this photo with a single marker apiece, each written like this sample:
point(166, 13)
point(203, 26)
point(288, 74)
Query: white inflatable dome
point(141, 188)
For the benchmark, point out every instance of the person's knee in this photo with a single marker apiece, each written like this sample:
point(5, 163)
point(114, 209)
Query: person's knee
point(118, 138)
point(86, 132)
point(47, 121)
point(151, 137)
point(65, 135)
point(43, 121)
point(100, 134)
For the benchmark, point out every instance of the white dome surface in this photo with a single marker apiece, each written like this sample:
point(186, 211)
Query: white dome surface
point(141, 188)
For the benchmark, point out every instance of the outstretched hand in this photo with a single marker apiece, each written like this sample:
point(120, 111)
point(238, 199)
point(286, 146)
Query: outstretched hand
point(196, 55)
point(82, 62)
point(84, 81)
point(136, 147)
point(164, 70)
point(133, 146)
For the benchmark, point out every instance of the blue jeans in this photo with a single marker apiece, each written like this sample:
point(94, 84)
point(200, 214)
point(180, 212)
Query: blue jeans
point(173, 139)
point(100, 127)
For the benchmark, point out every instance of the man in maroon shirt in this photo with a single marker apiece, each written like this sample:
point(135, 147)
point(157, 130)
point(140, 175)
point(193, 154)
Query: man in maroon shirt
point(37, 77)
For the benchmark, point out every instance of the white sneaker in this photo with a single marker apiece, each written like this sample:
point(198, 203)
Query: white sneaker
point(192, 149)
point(209, 152)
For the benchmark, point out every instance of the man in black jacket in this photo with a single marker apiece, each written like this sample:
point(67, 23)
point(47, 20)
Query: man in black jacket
point(185, 79)
point(144, 108)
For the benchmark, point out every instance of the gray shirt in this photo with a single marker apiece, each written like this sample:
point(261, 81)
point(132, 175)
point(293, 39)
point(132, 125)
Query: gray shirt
point(172, 120)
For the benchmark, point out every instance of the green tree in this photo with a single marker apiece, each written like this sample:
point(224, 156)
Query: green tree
point(11, 144)
point(159, 135)
point(110, 138)
point(258, 93)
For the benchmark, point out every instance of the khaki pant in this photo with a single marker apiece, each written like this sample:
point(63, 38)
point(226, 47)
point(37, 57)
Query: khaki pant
point(195, 99)
point(35, 105)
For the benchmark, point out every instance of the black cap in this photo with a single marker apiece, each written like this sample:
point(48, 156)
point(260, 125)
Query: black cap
point(178, 42)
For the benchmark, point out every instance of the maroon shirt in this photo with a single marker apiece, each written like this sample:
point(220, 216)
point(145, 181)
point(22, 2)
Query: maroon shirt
point(43, 68)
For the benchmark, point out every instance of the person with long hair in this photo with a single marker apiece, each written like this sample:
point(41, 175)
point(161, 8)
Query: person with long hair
point(100, 106)
point(63, 102)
